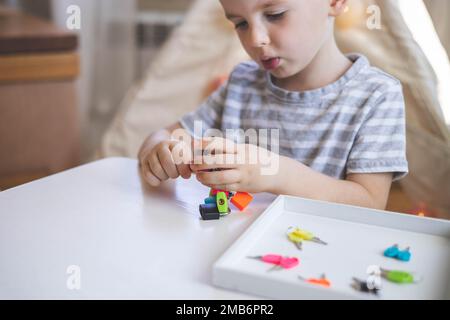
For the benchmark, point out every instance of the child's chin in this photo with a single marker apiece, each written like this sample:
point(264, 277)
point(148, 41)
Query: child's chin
point(283, 73)
point(279, 73)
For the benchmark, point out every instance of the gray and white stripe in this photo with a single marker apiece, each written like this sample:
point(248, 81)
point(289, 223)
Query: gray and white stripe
point(354, 125)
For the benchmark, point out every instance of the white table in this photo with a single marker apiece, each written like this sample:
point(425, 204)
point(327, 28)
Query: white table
point(129, 241)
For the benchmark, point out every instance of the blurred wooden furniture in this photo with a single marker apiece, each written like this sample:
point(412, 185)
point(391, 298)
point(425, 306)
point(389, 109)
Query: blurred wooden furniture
point(163, 5)
point(39, 130)
point(398, 200)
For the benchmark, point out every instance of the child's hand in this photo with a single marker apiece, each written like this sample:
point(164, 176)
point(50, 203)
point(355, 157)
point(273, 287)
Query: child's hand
point(160, 162)
point(234, 167)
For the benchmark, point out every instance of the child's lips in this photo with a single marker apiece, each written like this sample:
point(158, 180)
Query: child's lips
point(271, 63)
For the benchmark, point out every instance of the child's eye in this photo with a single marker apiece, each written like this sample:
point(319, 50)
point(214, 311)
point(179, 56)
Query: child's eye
point(276, 16)
point(241, 25)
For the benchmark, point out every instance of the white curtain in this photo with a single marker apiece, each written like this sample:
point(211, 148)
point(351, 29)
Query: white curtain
point(424, 32)
point(440, 13)
point(108, 60)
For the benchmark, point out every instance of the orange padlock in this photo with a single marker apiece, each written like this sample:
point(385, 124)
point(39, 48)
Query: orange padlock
point(241, 200)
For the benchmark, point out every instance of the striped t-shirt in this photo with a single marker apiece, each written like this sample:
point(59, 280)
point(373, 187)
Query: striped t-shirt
point(354, 125)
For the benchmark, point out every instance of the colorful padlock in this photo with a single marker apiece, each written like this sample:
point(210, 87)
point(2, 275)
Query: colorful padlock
point(241, 200)
point(222, 203)
point(210, 200)
point(209, 211)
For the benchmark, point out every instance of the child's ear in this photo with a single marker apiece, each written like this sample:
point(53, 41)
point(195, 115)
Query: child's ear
point(337, 7)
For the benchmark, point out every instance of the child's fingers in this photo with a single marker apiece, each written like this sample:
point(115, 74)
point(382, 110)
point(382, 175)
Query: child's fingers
point(208, 147)
point(152, 180)
point(147, 174)
point(208, 167)
point(213, 161)
point(184, 170)
point(216, 146)
point(226, 187)
point(182, 153)
point(157, 169)
point(219, 177)
point(168, 164)
point(196, 148)
point(182, 160)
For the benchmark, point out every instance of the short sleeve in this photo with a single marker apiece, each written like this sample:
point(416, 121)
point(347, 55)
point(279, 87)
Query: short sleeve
point(380, 144)
point(209, 114)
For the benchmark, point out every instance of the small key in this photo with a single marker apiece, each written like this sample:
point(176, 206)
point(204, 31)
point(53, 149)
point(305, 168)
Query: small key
point(322, 281)
point(296, 240)
point(361, 286)
point(269, 258)
point(306, 235)
point(317, 240)
point(275, 268)
point(278, 261)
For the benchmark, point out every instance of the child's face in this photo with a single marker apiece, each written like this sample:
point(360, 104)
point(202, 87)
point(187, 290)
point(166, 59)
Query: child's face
point(282, 36)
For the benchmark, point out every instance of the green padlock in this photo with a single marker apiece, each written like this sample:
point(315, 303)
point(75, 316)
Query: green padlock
point(222, 202)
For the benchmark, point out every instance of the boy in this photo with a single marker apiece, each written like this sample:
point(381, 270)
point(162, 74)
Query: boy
point(341, 121)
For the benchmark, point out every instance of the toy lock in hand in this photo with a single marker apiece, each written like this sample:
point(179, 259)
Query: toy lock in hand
point(217, 204)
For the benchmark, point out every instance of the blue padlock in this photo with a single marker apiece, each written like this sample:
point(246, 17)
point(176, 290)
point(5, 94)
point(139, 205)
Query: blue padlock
point(210, 200)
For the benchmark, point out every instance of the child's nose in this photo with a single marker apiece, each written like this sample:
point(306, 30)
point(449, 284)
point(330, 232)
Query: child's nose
point(259, 37)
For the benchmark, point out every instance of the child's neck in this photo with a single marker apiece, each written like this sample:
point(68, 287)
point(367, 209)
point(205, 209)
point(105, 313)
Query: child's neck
point(328, 66)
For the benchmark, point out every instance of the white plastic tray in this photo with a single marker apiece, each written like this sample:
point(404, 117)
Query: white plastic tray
point(356, 240)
